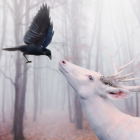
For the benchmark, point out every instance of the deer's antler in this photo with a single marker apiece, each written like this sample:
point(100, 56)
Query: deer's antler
point(113, 80)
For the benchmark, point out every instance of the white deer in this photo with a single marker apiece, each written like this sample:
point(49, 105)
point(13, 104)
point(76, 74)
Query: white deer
point(94, 91)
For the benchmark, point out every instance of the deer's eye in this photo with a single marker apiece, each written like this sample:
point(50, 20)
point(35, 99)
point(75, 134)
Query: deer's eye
point(90, 77)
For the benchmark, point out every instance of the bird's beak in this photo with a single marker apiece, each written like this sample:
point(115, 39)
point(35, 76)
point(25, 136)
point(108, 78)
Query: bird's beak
point(50, 57)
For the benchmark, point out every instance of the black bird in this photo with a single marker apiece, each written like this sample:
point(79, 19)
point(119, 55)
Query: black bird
point(38, 36)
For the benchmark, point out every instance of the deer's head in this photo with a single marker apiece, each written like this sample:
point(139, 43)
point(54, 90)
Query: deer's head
point(89, 83)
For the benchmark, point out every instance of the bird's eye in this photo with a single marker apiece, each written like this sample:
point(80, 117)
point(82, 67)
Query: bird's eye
point(90, 77)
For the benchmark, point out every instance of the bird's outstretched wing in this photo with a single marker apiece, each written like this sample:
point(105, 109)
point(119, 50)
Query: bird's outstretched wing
point(48, 37)
point(39, 27)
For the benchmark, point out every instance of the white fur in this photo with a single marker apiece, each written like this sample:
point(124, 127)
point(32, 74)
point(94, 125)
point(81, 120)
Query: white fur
point(107, 121)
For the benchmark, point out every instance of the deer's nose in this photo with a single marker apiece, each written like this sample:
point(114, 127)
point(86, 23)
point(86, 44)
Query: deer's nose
point(63, 62)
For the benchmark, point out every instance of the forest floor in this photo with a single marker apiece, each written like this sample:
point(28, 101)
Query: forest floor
point(50, 125)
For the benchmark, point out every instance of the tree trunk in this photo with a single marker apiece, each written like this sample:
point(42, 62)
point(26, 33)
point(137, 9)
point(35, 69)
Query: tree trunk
point(16, 113)
point(4, 25)
point(98, 39)
point(69, 105)
point(41, 92)
point(23, 89)
point(64, 97)
point(35, 89)
point(78, 113)
point(18, 12)
point(75, 23)
point(2, 43)
point(22, 104)
point(3, 102)
point(131, 68)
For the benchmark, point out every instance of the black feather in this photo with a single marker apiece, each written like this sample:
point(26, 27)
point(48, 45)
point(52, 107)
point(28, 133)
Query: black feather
point(11, 49)
point(39, 27)
point(40, 34)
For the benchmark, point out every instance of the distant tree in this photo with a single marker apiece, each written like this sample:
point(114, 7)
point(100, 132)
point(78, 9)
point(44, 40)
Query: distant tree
point(76, 53)
point(4, 22)
point(136, 8)
point(127, 37)
point(98, 58)
point(24, 82)
point(2, 44)
point(17, 11)
point(35, 89)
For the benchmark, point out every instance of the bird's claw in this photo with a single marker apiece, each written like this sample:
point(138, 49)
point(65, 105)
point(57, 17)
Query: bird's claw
point(29, 62)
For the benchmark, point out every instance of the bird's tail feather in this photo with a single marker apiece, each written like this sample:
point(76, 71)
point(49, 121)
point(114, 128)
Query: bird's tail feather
point(11, 49)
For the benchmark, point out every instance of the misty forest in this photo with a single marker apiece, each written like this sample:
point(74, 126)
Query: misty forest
point(36, 101)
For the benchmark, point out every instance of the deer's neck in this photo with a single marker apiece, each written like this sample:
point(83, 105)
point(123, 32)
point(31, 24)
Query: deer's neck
point(103, 117)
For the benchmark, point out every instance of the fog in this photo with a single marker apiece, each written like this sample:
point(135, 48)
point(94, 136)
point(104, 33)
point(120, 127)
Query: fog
point(85, 33)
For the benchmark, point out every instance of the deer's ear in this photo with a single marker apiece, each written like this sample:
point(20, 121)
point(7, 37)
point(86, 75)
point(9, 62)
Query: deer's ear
point(118, 93)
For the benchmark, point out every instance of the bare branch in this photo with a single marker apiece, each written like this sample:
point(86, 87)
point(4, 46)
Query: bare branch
point(7, 77)
point(135, 11)
point(23, 72)
point(58, 5)
point(46, 67)
point(10, 8)
point(31, 8)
